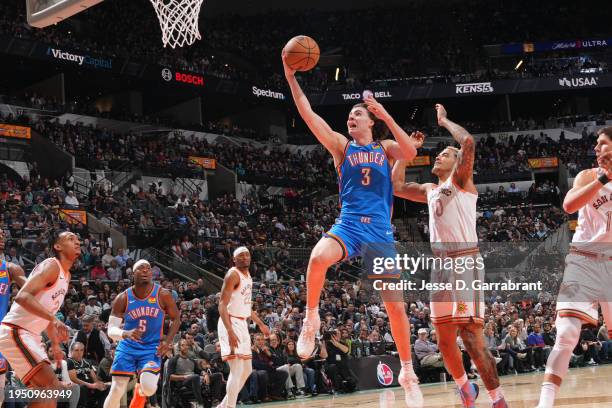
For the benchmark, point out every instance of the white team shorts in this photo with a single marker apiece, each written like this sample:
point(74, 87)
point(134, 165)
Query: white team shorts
point(241, 329)
point(462, 304)
point(587, 284)
point(23, 350)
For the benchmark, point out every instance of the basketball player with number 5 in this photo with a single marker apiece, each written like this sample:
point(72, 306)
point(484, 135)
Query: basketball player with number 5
point(144, 307)
point(452, 229)
point(588, 267)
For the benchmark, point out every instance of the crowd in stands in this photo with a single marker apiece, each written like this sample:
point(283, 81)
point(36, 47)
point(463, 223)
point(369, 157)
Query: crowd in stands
point(237, 47)
point(519, 332)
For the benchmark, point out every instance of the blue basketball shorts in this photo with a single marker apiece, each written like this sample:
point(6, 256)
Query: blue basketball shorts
point(364, 239)
point(129, 361)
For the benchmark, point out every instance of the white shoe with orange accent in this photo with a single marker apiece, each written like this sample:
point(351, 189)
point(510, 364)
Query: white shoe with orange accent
point(412, 391)
point(306, 342)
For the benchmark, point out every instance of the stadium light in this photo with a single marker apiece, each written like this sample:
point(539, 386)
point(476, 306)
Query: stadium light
point(518, 65)
point(337, 72)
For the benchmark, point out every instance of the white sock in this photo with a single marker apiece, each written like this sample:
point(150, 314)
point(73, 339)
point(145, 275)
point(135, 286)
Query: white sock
point(312, 313)
point(407, 366)
point(461, 381)
point(496, 394)
point(547, 395)
point(233, 386)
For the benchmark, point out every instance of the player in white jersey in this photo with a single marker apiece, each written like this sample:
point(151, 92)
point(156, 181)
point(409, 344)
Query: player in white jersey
point(234, 310)
point(452, 229)
point(34, 311)
point(588, 267)
point(9, 273)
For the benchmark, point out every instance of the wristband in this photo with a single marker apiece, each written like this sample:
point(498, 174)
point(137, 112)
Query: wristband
point(603, 179)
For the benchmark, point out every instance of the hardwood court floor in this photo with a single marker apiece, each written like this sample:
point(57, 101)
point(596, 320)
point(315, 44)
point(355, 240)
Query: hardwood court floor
point(583, 387)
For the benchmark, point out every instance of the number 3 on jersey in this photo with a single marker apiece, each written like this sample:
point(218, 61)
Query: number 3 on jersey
point(365, 180)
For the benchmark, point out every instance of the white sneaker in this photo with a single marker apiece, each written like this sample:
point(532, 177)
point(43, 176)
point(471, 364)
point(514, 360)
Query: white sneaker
point(412, 391)
point(306, 341)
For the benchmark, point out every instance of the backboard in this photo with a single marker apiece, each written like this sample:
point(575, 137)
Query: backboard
point(43, 13)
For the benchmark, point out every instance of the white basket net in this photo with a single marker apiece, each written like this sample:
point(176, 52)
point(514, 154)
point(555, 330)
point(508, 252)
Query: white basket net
point(178, 20)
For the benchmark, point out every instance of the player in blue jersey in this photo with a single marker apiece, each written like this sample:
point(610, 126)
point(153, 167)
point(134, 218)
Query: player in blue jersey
point(144, 307)
point(364, 167)
point(9, 274)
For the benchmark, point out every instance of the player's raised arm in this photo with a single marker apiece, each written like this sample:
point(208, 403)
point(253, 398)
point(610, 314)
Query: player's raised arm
point(405, 146)
point(464, 171)
point(410, 191)
point(230, 283)
point(16, 274)
point(116, 318)
point(334, 142)
point(170, 309)
point(586, 186)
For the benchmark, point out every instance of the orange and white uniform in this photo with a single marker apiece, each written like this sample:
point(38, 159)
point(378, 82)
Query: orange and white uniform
point(239, 309)
point(587, 280)
point(20, 331)
point(452, 231)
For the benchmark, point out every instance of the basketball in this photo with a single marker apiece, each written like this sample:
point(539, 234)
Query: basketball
point(302, 53)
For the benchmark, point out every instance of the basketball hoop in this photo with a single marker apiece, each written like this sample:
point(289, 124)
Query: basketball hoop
point(178, 20)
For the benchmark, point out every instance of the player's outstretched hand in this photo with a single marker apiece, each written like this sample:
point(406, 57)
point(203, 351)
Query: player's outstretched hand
point(376, 108)
point(63, 331)
point(164, 348)
point(233, 340)
point(418, 138)
point(289, 72)
point(133, 334)
point(441, 113)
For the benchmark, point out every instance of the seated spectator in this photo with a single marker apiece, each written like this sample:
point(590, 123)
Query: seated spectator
point(114, 273)
point(95, 343)
point(186, 372)
point(14, 257)
point(108, 258)
point(426, 351)
point(93, 308)
point(588, 347)
point(497, 349)
point(336, 366)
point(71, 200)
point(81, 371)
point(309, 373)
point(60, 368)
point(98, 271)
point(606, 344)
point(212, 379)
point(522, 356)
point(535, 341)
point(279, 361)
point(265, 381)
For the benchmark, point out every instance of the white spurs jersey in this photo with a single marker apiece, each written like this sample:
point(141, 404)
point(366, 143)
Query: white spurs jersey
point(240, 301)
point(51, 297)
point(595, 218)
point(452, 214)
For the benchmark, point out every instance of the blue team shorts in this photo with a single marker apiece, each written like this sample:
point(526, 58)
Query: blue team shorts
point(364, 239)
point(129, 360)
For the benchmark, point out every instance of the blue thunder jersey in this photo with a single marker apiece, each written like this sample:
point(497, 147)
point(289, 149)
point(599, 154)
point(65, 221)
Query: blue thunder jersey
point(366, 189)
point(145, 314)
point(5, 289)
point(5, 294)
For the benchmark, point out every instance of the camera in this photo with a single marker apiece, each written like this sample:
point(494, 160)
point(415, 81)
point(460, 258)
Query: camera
point(329, 333)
